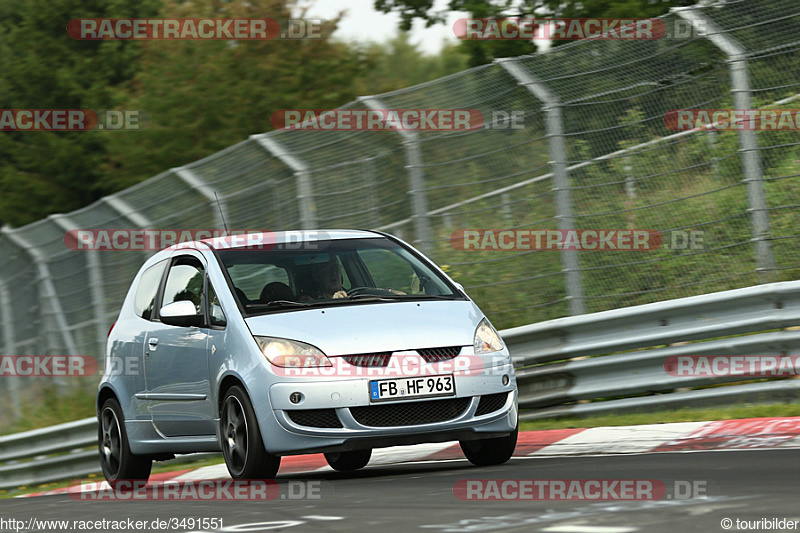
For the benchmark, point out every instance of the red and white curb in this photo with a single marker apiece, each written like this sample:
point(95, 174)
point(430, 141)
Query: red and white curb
point(652, 438)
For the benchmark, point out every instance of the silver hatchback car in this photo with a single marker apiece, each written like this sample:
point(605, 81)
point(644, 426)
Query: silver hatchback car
point(273, 344)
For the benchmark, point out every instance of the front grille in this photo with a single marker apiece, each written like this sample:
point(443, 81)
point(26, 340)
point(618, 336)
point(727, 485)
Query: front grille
point(315, 418)
point(368, 359)
point(434, 355)
point(491, 403)
point(410, 413)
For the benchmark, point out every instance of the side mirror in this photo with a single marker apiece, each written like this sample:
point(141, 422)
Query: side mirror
point(181, 313)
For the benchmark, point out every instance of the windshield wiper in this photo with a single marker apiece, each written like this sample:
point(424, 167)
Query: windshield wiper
point(426, 297)
point(283, 303)
point(399, 297)
point(374, 297)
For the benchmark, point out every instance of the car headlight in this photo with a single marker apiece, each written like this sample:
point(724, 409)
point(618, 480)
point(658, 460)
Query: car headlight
point(486, 339)
point(291, 354)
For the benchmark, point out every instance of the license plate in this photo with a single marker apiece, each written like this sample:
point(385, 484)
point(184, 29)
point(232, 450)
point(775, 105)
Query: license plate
point(401, 388)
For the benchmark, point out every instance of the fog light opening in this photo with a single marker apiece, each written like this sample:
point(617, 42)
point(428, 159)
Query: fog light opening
point(296, 397)
point(506, 379)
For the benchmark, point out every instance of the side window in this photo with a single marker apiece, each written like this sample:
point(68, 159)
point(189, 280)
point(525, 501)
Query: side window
point(390, 271)
point(214, 308)
point(145, 296)
point(185, 282)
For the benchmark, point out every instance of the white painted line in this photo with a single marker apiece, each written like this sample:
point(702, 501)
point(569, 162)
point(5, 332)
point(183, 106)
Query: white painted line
point(577, 528)
point(321, 517)
point(627, 439)
point(219, 471)
point(402, 454)
point(791, 443)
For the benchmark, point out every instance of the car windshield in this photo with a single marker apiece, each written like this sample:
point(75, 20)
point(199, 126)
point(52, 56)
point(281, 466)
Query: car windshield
point(331, 272)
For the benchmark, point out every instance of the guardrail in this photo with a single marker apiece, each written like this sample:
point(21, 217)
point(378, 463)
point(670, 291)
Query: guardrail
point(597, 363)
point(573, 365)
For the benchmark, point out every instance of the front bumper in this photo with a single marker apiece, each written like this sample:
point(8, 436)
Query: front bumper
point(337, 415)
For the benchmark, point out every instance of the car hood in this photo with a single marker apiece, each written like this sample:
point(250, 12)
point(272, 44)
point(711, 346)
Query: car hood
point(376, 327)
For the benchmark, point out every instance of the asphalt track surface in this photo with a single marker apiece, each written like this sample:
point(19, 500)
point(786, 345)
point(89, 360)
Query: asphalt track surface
point(745, 485)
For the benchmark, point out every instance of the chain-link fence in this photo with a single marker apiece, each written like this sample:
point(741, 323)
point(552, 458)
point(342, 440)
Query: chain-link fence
point(594, 153)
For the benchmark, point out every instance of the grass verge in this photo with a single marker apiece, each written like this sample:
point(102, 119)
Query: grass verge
point(664, 417)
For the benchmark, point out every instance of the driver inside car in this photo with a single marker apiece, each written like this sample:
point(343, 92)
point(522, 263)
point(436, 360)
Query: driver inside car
point(327, 279)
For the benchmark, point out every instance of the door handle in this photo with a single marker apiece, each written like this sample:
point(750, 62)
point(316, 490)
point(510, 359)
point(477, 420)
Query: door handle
point(152, 343)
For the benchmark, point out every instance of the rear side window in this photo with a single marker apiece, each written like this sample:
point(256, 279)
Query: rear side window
point(185, 282)
point(146, 291)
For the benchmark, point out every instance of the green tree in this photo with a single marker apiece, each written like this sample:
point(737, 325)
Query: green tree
point(41, 67)
point(204, 96)
point(398, 63)
point(482, 52)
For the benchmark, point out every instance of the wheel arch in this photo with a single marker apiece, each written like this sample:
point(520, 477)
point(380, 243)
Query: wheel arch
point(103, 395)
point(227, 382)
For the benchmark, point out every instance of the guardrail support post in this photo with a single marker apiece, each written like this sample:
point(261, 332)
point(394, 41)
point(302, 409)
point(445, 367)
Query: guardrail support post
point(9, 345)
point(47, 292)
point(416, 181)
point(558, 155)
point(368, 173)
point(302, 174)
point(748, 143)
point(95, 274)
point(129, 213)
point(193, 180)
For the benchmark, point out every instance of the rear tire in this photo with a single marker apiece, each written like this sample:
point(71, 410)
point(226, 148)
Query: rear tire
point(487, 452)
point(348, 461)
point(116, 459)
point(242, 446)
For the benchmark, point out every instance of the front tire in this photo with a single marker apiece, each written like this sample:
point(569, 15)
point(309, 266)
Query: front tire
point(116, 459)
point(348, 461)
point(487, 452)
point(242, 446)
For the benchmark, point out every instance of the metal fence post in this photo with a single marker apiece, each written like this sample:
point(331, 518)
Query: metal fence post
point(368, 173)
point(129, 213)
point(193, 180)
point(302, 174)
point(748, 142)
point(95, 274)
point(558, 155)
point(47, 291)
point(416, 181)
point(9, 344)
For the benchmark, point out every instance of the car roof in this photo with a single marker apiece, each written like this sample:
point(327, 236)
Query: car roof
point(240, 240)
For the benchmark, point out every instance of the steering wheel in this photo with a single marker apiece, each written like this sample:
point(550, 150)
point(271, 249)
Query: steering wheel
point(353, 291)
